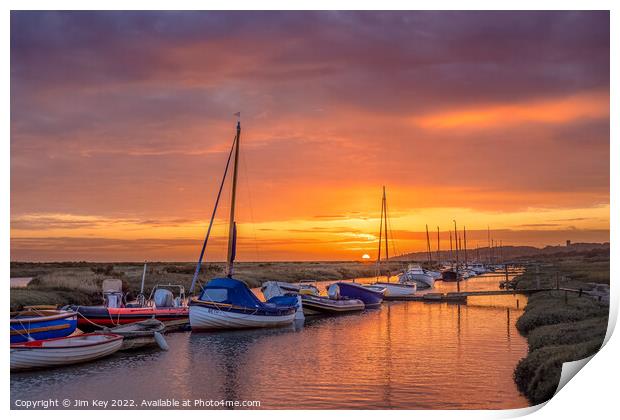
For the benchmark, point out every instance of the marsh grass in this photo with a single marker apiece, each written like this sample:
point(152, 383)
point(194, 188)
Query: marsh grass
point(538, 375)
point(65, 283)
point(560, 327)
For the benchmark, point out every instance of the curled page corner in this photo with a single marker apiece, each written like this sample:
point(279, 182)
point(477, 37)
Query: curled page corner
point(570, 369)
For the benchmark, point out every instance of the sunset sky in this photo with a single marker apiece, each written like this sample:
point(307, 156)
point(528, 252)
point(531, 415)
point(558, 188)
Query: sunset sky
point(121, 123)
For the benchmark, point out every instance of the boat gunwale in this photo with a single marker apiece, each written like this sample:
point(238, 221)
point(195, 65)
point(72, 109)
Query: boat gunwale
point(34, 319)
point(37, 344)
point(229, 307)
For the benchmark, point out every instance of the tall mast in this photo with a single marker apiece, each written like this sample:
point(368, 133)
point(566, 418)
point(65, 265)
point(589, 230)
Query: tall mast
point(456, 235)
point(380, 233)
point(489, 239)
point(438, 248)
point(428, 246)
point(451, 253)
point(387, 253)
point(465, 243)
point(232, 229)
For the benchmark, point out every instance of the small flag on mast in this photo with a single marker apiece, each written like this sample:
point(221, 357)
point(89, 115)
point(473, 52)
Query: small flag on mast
point(237, 114)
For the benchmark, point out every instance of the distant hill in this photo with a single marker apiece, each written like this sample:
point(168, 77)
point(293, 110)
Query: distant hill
point(498, 254)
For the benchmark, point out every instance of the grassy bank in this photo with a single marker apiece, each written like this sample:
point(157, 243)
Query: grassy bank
point(80, 282)
point(560, 327)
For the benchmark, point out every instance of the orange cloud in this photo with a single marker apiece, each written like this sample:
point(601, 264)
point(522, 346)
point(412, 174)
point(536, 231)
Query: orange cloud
point(588, 105)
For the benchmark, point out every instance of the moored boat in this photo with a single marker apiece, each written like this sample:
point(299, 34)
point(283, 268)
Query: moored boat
point(449, 275)
point(63, 351)
point(371, 298)
point(391, 291)
point(141, 334)
point(162, 305)
point(313, 303)
point(41, 324)
point(398, 291)
point(321, 305)
point(416, 274)
point(92, 318)
point(227, 303)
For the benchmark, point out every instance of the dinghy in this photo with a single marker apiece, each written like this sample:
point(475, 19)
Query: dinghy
point(280, 288)
point(312, 303)
point(372, 297)
point(141, 334)
point(63, 351)
point(227, 303)
point(36, 324)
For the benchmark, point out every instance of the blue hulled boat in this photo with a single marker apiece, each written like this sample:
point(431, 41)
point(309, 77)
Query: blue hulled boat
point(41, 325)
point(371, 298)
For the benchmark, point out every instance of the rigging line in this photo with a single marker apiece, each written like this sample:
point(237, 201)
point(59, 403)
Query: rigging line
point(388, 218)
point(249, 195)
point(217, 200)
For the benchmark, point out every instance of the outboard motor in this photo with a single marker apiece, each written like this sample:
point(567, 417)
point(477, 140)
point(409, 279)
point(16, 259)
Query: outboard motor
point(333, 291)
point(163, 298)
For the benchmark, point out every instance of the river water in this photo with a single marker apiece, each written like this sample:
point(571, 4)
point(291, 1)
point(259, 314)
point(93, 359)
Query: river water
point(406, 355)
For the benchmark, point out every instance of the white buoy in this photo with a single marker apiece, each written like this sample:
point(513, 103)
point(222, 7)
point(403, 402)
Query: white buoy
point(161, 341)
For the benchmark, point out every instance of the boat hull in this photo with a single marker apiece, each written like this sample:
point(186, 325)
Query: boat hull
point(138, 334)
point(205, 317)
point(42, 325)
point(371, 298)
point(319, 305)
point(63, 351)
point(396, 290)
point(92, 318)
point(423, 281)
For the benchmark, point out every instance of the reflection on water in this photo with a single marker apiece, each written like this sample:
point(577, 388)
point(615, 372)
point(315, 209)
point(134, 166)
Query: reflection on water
point(406, 355)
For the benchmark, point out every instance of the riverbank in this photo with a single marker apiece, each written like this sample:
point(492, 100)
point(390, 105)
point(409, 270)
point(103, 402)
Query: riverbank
point(560, 327)
point(80, 282)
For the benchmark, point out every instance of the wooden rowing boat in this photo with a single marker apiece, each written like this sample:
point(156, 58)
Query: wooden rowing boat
point(56, 352)
point(141, 334)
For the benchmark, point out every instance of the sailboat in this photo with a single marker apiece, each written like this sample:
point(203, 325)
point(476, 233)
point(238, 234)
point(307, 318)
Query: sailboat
point(228, 303)
point(394, 291)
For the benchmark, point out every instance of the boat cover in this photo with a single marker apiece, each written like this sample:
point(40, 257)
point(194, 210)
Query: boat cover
point(235, 292)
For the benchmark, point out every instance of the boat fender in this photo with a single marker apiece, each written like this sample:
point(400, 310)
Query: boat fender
point(161, 341)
